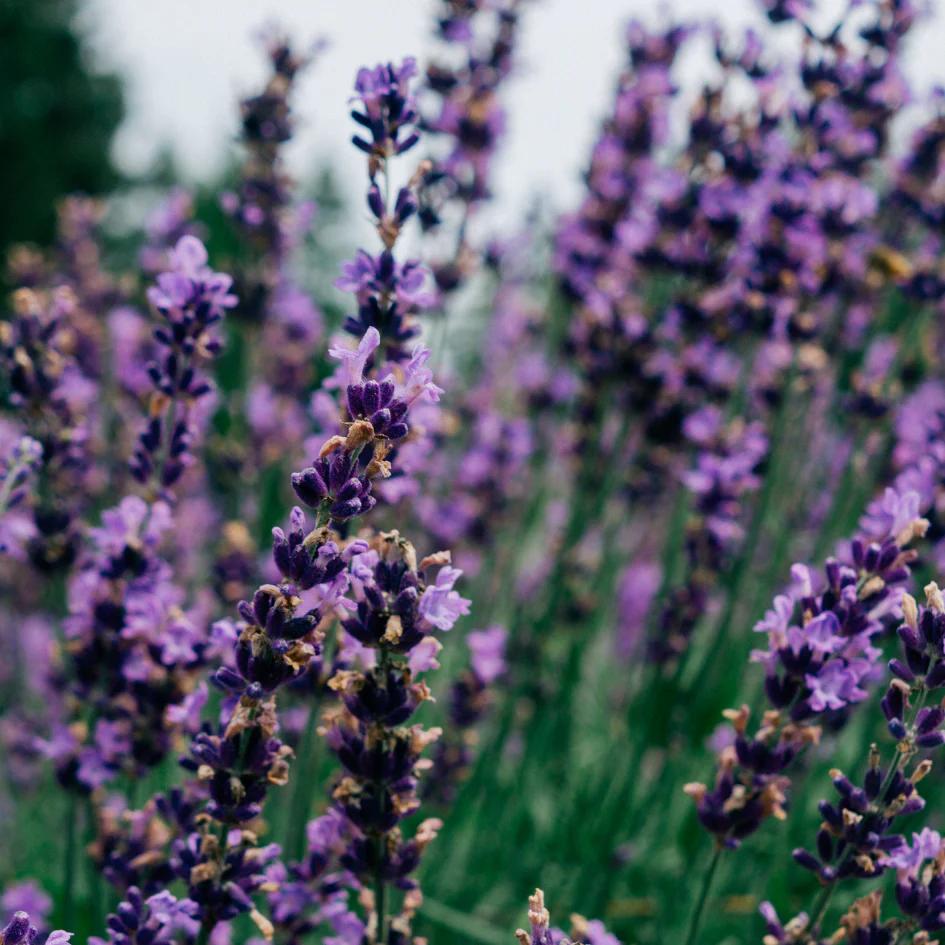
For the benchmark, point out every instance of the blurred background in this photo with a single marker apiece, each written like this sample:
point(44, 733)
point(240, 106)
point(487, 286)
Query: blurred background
point(148, 91)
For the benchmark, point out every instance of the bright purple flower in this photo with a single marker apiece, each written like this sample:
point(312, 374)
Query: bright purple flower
point(487, 653)
point(354, 361)
point(20, 931)
point(440, 605)
point(388, 108)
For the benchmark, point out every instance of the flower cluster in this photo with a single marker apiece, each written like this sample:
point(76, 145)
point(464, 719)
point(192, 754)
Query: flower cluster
point(919, 675)
point(314, 893)
point(389, 293)
point(920, 880)
point(590, 931)
point(239, 760)
point(859, 835)
point(391, 607)
point(466, 117)
point(53, 401)
point(134, 648)
point(816, 665)
point(339, 482)
point(190, 298)
point(723, 476)
point(19, 931)
point(706, 369)
point(387, 110)
point(133, 652)
point(79, 257)
point(399, 606)
point(856, 836)
point(159, 919)
point(272, 224)
point(16, 468)
point(263, 208)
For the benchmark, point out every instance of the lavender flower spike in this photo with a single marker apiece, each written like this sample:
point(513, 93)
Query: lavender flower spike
point(191, 299)
point(539, 919)
point(388, 108)
point(15, 471)
point(20, 931)
point(820, 658)
point(591, 931)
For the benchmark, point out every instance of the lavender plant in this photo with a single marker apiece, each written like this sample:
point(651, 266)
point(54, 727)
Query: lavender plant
point(721, 358)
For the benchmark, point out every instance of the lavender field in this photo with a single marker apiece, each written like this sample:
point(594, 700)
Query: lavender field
point(375, 573)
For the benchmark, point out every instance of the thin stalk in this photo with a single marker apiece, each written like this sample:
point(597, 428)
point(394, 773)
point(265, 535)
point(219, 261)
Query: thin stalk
point(821, 904)
point(300, 804)
point(68, 863)
point(380, 884)
point(696, 920)
point(96, 890)
point(380, 896)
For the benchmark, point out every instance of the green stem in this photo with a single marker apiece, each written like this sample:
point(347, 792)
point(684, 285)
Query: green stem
point(96, 890)
point(821, 904)
point(380, 884)
point(696, 921)
point(68, 865)
point(301, 802)
point(380, 897)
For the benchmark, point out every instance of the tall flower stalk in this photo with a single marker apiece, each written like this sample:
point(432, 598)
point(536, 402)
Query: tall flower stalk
point(820, 659)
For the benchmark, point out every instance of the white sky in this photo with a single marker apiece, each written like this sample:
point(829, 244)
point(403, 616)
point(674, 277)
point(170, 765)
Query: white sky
point(187, 62)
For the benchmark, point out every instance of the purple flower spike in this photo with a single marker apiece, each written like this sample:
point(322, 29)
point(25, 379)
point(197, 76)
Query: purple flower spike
point(819, 661)
point(20, 931)
point(192, 299)
point(388, 109)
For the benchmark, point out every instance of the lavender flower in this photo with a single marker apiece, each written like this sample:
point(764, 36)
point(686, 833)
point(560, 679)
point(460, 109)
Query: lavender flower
point(238, 761)
point(263, 206)
point(389, 293)
point(314, 893)
point(920, 883)
point(857, 832)
point(466, 119)
point(19, 931)
point(55, 400)
point(539, 919)
point(15, 471)
point(160, 919)
point(79, 267)
point(591, 931)
point(191, 298)
point(920, 674)
point(133, 653)
point(27, 897)
point(817, 666)
point(724, 473)
point(858, 835)
point(388, 109)
point(398, 609)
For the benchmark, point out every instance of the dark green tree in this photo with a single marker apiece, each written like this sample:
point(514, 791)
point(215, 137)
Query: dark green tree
point(57, 117)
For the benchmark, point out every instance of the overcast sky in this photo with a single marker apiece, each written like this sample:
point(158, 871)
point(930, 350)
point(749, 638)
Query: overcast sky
point(186, 63)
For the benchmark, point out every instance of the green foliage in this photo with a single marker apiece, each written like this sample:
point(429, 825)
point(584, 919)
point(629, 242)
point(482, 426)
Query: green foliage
point(57, 117)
